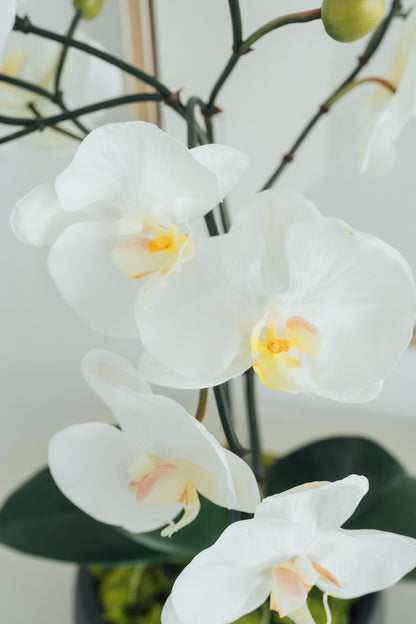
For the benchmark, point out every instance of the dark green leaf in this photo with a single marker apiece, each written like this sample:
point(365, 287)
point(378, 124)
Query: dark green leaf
point(201, 533)
point(390, 504)
point(336, 458)
point(39, 520)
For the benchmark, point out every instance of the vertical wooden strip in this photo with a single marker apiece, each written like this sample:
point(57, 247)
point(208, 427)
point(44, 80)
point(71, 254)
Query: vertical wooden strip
point(139, 42)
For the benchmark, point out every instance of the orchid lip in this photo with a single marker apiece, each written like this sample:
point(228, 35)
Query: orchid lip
point(279, 346)
point(149, 246)
point(159, 481)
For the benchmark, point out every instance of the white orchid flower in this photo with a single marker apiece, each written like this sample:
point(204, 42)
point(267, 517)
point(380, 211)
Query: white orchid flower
point(394, 107)
point(314, 305)
point(85, 80)
point(293, 542)
point(113, 216)
point(141, 476)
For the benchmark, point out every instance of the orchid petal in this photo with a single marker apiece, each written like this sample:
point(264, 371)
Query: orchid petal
point(169, 615)
point(103, 370)
point(288, 591)
point(394, 110)
point(363, 561)
point(361, 395)
point(321, 503)
point(7, 15)
point(302, 615)
point(164, 428)
point(353, 288)
point(196, 323)
point(38, 218)
point(140, 167)
point(269, 215)
point(81, 266)
point(89, 80)
point(227, 163)
point(79, 462)
point(380, 155)
point(157, 373)
point(245, 484)
point(234, 576)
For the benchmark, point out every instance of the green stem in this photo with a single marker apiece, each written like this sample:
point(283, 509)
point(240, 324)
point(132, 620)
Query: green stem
point(59, 99)
point(25, 26)
point(226, 422)
point(225, 217)
point(84, 110)
point(67, 133)
point(356, 83)
point(202, 404)
point(17, 82)
point(235, 13)
point(16, 135)
point(232, 62)
point(245, 46)
point(255, 444)
point(193, 139)
point(209, 129)
point(59, 69)
point(191, 122)
point(292, 18)
point(224, 214)
point(369, 51)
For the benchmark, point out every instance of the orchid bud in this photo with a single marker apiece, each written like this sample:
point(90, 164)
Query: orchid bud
point(89, 8)
point(349, 20)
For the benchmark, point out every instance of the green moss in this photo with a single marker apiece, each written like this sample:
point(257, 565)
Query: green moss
point(136, 595)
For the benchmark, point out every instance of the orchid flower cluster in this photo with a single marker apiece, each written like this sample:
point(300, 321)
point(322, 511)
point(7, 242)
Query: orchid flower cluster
point(302, 302)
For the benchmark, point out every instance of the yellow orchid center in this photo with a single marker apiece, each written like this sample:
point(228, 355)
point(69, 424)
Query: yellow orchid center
point(149, 246)
point(272, 342)
point(160, 244)
point(278, 345)
point(157, 481)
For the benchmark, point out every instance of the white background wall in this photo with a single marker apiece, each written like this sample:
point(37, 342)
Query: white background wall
point(272, 92)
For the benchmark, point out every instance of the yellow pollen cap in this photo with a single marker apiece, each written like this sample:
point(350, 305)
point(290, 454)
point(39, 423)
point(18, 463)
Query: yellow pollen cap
point(159, 244)
point(278, 346)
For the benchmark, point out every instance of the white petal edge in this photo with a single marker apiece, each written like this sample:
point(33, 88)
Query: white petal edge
point(364, 561)
point(321, 503)
point(103, 370)
point(79, 463)
point(80, 264)
point(165, 429)
point(227, 163)
point(38, 218)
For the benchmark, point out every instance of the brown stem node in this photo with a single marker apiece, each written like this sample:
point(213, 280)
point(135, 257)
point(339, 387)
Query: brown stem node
point(324, 108)
point(239, 52)
point(173, 99)
point(288, 158)
point(216, 110)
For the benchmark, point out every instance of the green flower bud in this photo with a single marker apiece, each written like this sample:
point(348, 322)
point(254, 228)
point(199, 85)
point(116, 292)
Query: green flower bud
point(90, 8)
point(349, 20)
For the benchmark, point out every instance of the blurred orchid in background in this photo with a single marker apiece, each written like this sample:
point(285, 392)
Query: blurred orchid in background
point(82, 82)
point(8, 10)
point(392, 105)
